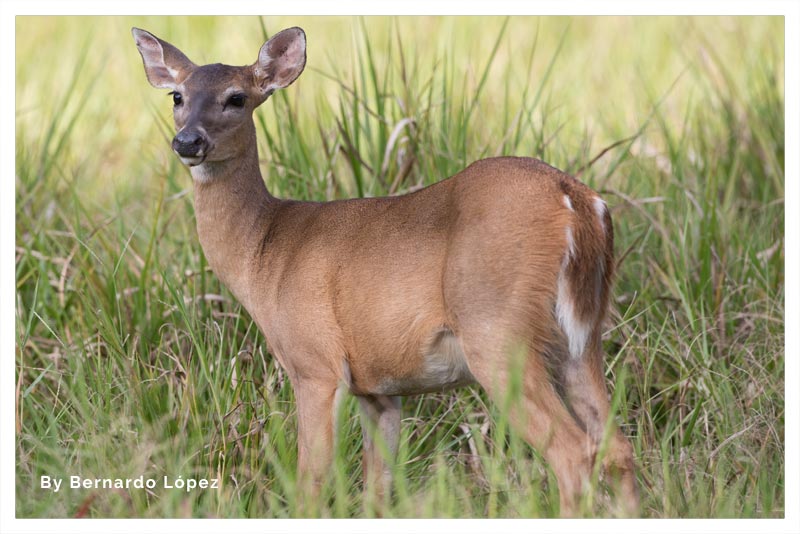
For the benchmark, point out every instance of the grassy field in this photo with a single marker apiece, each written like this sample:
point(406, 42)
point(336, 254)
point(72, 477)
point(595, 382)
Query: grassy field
point(133, 360)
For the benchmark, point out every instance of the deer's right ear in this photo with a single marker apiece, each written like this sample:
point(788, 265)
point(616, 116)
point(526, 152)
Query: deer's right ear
point(164, 65)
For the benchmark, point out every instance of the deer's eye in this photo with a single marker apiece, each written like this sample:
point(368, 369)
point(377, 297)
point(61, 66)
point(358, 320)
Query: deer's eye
point(177, 98)
point(236, 100)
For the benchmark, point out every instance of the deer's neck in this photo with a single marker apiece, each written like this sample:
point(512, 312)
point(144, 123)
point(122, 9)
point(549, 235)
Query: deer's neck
point(231, 205)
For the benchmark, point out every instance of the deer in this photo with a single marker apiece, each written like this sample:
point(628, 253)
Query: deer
point(409, 294)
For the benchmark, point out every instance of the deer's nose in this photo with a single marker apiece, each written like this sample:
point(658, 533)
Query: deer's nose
point(190, 143)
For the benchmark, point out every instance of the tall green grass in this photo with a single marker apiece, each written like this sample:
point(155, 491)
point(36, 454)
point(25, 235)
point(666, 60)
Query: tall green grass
point(133, 360)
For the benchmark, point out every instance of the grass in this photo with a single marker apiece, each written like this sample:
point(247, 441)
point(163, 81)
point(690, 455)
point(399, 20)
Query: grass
point(133, 360)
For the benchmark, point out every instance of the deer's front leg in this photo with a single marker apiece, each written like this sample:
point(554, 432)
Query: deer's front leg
point(380, 423)
point(317, 402)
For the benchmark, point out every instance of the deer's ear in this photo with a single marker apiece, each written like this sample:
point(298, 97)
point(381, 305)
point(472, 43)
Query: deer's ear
point(164, 65)
point(280, 60)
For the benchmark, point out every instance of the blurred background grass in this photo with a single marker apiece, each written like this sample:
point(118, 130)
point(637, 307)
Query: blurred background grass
point(132, 359)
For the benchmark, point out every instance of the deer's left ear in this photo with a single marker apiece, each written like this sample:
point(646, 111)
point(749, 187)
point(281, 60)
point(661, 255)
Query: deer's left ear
point(165, 65)
point(280, 60)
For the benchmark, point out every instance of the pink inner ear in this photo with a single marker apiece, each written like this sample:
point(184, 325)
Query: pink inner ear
point(287, 44)
point(152, 56)
point(160, 73)
point(151, 52)
point(147, 43)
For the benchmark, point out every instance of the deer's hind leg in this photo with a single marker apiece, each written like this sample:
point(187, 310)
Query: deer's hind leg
point(586, 393)
point(538, 414)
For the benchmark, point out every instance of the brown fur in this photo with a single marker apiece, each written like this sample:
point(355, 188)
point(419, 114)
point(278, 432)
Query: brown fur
point(401, 295)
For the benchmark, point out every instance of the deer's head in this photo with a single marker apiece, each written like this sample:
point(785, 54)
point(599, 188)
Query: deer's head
point(213, 104)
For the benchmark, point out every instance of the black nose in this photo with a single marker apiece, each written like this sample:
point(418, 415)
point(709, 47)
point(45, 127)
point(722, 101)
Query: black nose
point(189, 143)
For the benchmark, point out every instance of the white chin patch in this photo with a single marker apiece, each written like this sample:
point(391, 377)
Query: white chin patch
point(200, 173)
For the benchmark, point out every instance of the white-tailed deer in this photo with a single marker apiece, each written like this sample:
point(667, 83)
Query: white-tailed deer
point(385, 297)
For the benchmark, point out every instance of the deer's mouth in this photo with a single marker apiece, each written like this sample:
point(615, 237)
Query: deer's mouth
point(192, 161)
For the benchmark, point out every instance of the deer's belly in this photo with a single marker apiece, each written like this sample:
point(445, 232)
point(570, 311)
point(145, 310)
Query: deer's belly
point(442, 366)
